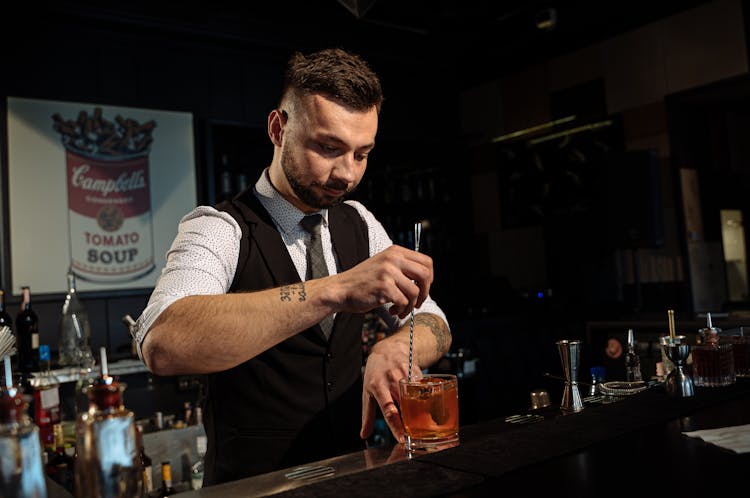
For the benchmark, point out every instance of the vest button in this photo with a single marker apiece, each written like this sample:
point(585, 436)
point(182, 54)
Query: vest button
point(331, 385)
point(329, 357)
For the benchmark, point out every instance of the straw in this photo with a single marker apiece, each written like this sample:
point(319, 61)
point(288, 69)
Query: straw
point(417, 237)
point(670, 314)
point(103, 356)
point(710, 323)
point(8, 373)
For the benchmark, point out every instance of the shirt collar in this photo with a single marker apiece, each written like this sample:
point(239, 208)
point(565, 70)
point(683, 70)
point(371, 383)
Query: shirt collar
point(284, 213)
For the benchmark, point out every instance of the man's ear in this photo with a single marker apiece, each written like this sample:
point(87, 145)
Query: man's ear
point(276, 122)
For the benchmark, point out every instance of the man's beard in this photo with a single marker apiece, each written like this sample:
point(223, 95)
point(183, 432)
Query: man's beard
point(293, 173)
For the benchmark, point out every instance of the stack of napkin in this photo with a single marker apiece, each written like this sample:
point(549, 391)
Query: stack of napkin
point(735, 438)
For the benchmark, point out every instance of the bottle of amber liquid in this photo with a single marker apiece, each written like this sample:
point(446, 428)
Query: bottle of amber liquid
point(166, 488)
point(108, 463)
point(19, 442)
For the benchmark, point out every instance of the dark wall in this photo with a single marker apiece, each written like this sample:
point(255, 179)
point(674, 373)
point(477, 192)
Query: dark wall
point(229, 80)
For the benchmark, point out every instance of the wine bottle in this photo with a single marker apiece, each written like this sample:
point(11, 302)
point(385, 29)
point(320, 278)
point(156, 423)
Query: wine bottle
point(46, 399)
point(5, 319)
point(75, 330)
point(27, 335)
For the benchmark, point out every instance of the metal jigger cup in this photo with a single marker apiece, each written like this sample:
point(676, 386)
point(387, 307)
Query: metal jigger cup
point(678, 383)
point(570, 356)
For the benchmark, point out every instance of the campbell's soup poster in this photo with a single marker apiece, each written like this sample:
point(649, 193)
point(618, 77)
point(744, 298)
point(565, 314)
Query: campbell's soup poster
point(95, 189)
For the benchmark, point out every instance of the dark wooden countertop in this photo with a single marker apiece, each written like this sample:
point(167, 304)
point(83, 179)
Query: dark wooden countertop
point(634, 445)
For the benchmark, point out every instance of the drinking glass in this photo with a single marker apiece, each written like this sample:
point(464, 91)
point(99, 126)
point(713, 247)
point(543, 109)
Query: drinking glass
point(429, 412)
point(741, 347)
point(713, 364)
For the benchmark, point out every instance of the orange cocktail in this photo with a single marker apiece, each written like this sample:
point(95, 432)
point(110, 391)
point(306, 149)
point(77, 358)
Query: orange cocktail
point(429, 411)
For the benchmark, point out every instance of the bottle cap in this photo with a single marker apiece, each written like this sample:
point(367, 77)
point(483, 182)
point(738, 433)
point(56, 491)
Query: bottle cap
point(709, 334)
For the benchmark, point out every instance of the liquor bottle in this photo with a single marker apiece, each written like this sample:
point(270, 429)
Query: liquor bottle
point(75, 330)
point(196, 470)
point(187, 415)
point(166, 488)
point(146, 465)
point(19, 442)
point(597, 377)
point(46, 399)
point(27, 335)
point(5, 319)
point(226, 179)
point(108, 462)
point(61, 464)
point(632, 361)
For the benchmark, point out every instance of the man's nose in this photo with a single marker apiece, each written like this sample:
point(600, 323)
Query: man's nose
point(345, 169)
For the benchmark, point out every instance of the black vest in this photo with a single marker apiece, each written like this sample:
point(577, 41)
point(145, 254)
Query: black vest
point(301, 400)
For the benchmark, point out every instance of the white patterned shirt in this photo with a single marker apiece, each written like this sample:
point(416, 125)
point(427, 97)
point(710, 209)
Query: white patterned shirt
point(203, 257)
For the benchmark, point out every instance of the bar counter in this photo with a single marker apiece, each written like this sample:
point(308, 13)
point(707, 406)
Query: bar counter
point(633, 446)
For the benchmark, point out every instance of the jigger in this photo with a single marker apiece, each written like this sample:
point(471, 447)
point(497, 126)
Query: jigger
point(678, 383)
point(570, 355)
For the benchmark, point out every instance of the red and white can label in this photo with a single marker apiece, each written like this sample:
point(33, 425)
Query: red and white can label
point(109, 216)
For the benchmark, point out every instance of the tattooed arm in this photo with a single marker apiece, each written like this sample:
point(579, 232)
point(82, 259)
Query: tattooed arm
point(210, 333)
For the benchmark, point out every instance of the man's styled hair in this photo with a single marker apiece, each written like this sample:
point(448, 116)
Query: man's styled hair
point(341, 76)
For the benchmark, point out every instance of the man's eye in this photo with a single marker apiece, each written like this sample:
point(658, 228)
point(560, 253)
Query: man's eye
point(360, 157)
point(327, 148)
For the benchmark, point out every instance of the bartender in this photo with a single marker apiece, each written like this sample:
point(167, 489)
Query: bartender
point(269, 302)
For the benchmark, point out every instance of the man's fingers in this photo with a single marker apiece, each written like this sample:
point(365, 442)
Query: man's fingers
point(368, 416)
point(388, 408)
point(393, 419)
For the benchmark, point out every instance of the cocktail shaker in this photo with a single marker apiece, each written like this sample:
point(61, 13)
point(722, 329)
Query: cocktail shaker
point(570, 356)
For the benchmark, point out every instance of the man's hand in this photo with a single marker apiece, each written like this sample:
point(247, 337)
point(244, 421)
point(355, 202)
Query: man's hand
point(397, 275)
point(387, 364)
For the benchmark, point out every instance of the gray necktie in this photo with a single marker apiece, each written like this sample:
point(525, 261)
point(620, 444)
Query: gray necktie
point(316, 263)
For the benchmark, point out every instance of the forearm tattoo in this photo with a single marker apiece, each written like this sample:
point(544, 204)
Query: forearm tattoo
point(438, 328)
point(286, 292)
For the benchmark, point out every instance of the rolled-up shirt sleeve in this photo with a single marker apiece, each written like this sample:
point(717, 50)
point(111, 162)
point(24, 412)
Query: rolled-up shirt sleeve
point(201, 261)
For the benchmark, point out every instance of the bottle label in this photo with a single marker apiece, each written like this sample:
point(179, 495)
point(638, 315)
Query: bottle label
point(50, 398)
point(35, 340)
point(109, 217)
point(200, 443)
point(166, 474)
